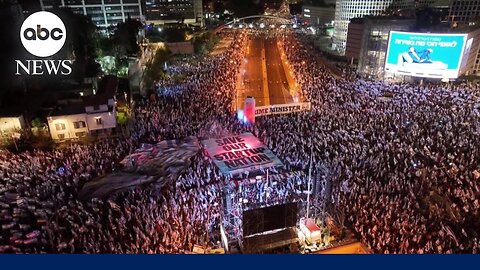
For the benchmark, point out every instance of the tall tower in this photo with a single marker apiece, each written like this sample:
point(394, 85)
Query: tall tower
point(198, 11)
point(349, 9)
point(464, 12)
point(104, 13)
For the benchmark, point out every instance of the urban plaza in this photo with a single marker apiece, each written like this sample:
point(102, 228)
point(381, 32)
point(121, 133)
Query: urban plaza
point(240, 127)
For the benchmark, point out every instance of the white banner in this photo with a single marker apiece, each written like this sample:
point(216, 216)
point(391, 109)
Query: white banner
point(282, 108)
point(241, 153)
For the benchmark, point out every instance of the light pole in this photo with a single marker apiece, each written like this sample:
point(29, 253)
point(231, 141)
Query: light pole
point(309, 182)
point(14, 138)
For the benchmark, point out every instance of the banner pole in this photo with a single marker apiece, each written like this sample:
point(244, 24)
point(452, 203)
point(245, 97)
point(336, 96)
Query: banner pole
point(309, 185)
point(268, 185)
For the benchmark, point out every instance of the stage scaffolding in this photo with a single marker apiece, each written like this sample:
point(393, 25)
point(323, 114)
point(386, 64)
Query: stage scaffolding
point(252, 193)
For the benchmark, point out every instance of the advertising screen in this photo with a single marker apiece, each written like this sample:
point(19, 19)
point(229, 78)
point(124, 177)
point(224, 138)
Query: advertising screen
point(425, 55)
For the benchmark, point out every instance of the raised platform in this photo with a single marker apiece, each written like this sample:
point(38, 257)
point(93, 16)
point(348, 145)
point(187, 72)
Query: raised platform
point(267, 241)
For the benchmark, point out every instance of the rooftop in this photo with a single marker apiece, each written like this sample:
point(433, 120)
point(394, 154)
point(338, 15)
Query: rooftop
point(95, 100)
point(69, 109)
point(108, 85)
point(10, 112)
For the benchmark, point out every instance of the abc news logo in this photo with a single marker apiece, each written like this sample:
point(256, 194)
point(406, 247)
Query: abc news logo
point(43, 34)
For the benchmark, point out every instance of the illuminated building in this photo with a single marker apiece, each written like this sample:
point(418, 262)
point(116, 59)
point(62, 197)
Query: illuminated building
point(92, 114)
point(174, 11)
point(464, 12)
point(11, 122)
point(318, 16)
point(345, 10)
point(368, 42)
point(433, 3)
point(103, 13)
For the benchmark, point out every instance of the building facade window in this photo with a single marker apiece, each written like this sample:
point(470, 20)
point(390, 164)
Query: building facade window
point(60, 126)
point(348, 9)
point(98, 121)
point(79, 124)
point(98, 10)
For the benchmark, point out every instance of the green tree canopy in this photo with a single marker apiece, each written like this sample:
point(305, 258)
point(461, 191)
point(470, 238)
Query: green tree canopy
point(126, 36)
point(80, 42)
point(154, 69)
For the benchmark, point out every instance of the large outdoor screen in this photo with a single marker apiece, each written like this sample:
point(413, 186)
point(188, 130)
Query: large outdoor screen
point(425, 55)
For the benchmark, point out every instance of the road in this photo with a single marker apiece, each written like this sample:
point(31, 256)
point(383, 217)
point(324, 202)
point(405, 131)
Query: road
point(253, 73)
point(262, 75)
point(278, 87)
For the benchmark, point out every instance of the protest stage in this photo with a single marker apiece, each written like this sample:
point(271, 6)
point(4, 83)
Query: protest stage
point(262, 203)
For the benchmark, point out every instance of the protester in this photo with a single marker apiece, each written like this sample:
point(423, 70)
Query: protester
point(403, 159)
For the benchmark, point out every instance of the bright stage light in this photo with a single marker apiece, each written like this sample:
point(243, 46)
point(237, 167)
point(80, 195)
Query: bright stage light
point(240, 115)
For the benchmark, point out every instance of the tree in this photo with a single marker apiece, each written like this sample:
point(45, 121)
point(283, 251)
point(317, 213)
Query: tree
point(118, 47)
point(204, 42)
point(80, 42)
point(154, 69)
point(126, 36)
point(174, 34)
point(104, 45)
point(218, 7)
point(37, 123)
point(243, 8)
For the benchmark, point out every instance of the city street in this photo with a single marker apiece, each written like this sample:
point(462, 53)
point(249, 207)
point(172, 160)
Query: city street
point(263, 74)
point(276, 74)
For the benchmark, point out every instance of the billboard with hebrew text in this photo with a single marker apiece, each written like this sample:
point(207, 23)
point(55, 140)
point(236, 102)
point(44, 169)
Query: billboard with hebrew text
point(425, 54)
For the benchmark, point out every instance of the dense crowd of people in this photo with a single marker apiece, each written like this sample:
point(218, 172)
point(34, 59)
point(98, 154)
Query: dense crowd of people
point(277, 189)
point(40, 209)
point(402, 161)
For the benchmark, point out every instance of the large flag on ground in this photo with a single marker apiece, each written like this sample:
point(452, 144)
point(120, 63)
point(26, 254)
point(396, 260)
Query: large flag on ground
point(158, 164)
point(240, 153)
